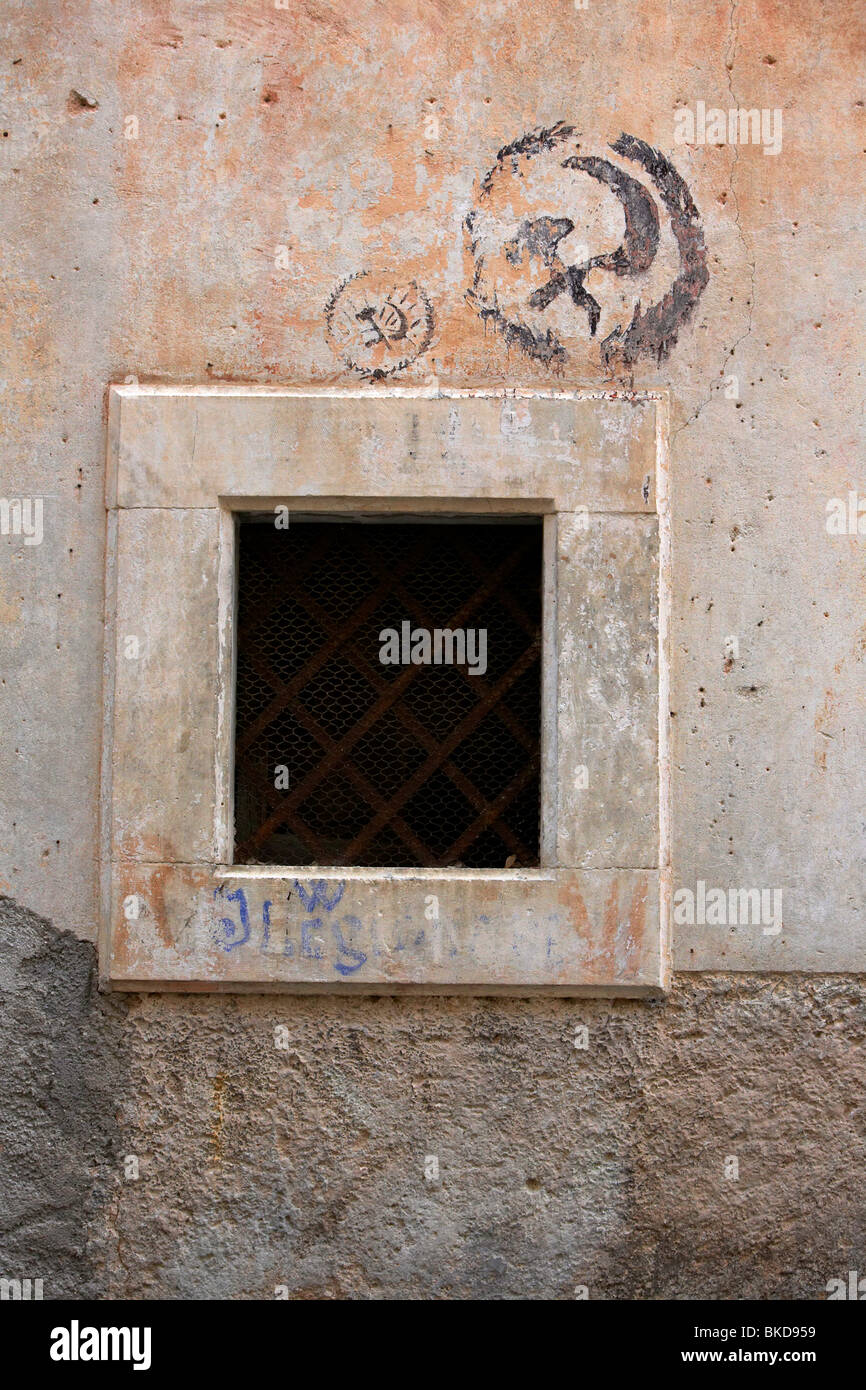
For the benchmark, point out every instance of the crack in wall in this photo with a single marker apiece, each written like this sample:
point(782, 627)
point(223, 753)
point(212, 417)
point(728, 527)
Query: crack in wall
point(730, 59)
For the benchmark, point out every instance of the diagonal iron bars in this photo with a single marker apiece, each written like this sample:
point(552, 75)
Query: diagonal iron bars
point(386, 765)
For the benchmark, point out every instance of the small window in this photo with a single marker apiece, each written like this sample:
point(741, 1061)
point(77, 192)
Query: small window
point(386, 701)
point(388, 691)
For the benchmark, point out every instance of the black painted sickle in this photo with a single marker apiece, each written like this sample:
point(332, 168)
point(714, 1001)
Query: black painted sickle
point(641, 241)
point(655, 332)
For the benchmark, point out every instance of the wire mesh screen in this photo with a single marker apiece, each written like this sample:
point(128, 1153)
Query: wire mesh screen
point(357, 740)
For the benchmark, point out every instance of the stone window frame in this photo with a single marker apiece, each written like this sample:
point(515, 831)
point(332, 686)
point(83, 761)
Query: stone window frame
point(176, 913)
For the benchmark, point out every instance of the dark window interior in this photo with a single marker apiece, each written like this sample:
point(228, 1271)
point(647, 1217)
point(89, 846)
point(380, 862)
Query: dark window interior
point(397, 765)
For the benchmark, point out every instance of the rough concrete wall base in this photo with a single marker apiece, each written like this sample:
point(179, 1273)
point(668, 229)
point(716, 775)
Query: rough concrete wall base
point(558, 1166)
point(65, 1058)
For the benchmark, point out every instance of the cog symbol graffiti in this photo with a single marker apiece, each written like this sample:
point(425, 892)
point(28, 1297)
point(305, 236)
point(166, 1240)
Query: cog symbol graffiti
point(542, 279)
point(378, 325)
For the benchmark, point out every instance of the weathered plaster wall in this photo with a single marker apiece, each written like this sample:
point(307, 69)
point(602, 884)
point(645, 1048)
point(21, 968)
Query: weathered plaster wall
point(308, 128)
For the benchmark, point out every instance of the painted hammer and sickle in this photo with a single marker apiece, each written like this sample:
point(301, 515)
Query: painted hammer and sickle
point(636, 252)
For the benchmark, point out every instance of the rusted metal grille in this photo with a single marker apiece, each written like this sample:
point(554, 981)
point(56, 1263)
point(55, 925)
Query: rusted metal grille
point(340, 759)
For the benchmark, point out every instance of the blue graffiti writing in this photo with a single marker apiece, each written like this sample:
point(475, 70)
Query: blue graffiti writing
point(310, 945)
point(344, 956)
point(319, 895)
point(226, 934)
point(357, 956)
